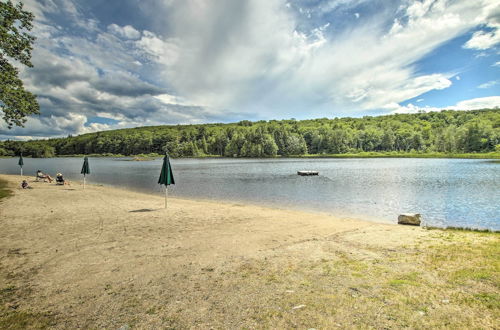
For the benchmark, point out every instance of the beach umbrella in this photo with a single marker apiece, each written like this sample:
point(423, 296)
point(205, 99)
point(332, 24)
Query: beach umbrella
point(166, 176)
point(21, 163)
point(85, 169)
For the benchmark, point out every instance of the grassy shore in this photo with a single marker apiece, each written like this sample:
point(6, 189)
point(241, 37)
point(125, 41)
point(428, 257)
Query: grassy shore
point(394, 154)
point(4, 189)
point(390, 154)
point(107, 258)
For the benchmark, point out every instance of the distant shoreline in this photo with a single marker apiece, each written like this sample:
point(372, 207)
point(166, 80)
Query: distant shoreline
point(141, 157)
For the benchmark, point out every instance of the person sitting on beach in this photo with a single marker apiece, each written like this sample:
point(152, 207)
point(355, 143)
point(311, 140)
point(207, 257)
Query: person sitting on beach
point(25, 185)
point(60, 179)
point(40, 175)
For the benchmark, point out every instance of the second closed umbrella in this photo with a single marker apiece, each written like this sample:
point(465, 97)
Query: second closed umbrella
point(85, 169)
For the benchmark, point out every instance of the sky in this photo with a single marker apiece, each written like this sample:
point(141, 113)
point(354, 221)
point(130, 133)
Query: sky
point(102, 64)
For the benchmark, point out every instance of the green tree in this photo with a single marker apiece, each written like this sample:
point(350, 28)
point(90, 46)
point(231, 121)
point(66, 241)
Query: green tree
point(15, 45)
point(234, 146)
point(269, 147)
point(388, 139)
point(294, 144)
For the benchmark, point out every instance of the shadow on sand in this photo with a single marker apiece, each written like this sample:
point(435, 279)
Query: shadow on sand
point(142, 210)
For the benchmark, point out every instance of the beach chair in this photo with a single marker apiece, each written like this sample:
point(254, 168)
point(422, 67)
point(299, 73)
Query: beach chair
point(59, 179)
point(39, 177)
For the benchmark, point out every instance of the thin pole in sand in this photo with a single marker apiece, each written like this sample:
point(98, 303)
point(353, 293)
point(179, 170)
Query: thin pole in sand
point(85, 169)
point(166, 176)
point(21, 163)
point(166, 195)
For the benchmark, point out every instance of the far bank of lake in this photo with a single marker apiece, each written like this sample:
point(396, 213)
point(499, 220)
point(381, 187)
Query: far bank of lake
point(375, 154)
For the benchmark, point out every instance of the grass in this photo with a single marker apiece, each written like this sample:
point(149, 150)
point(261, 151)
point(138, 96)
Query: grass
point(396, 154)
point(447, 279)
point(367, 154)
point(452, 280)
point(13, 317)
point(452, 228)
point(4, 190)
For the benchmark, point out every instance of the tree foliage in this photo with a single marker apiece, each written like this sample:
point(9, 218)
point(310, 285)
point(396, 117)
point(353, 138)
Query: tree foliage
point(15, 45)
point(446, 131)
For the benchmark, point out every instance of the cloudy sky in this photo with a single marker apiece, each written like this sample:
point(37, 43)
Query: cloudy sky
point(101, 64)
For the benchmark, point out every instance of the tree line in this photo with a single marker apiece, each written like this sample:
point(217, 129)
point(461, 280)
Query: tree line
point(447, 131)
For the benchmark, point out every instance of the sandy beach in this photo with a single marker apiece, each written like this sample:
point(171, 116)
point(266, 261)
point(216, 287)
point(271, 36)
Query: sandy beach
point(110, 258)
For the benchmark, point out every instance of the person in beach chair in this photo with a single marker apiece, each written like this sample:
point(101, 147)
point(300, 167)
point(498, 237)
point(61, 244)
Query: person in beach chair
point(60, 180)
point(41, 175)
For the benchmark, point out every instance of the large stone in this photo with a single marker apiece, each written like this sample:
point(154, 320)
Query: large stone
point(412, 219)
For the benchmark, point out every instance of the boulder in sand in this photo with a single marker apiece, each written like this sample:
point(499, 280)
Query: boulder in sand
point(412, 219)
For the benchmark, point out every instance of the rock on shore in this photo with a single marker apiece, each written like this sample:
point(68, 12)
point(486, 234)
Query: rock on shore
point(412, 219)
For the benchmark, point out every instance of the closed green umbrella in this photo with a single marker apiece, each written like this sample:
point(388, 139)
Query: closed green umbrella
point(166, 176)
point(85, 169)
point(21, 163)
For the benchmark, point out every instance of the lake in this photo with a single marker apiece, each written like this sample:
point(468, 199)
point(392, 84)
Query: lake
point(447, 192)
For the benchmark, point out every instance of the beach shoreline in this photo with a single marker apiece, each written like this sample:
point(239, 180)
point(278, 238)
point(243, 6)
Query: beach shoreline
point(109, 257)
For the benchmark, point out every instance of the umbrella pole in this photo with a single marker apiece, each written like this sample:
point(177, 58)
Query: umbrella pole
point(21, 171)
point(166, 195)
point(84, 181)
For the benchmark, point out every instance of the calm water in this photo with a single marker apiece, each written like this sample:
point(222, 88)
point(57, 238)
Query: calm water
point(447, 192)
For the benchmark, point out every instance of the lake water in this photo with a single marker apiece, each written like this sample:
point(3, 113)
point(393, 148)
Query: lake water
point(447, 192)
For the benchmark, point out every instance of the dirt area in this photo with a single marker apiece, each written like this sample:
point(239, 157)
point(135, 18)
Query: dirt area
point(110, 258)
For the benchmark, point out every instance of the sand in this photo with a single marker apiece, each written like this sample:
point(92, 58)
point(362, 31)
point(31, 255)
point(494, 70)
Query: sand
point(106, 257)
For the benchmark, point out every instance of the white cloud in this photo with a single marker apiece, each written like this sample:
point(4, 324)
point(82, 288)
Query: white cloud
point(127, 31)
point(51, 126)
point(478, 103)
point(158, 48)
point(490, 102)
point(482, 40)
point(496, 64)
point(488, 84)
point(457, 77)
point(173, 100)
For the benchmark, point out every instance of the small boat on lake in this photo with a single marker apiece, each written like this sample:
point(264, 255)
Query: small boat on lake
point(307, 173)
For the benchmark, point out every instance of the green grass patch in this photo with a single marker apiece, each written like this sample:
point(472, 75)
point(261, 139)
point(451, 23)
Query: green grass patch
point(412, 278)
point(12, 316)
point(488, 299)
point(396, 154)
point(473, 274)
point(493, 157)
point(399, 282)
point(4, 190)
point(25, 320)
point(452, 229)
point(423, 288)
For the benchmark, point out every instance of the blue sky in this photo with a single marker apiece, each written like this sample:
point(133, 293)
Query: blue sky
point(102, 65)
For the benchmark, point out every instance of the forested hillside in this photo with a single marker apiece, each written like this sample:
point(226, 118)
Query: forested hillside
point(446, 131)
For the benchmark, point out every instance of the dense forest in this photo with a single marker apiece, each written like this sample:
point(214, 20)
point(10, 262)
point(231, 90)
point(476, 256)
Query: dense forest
point(447, 131)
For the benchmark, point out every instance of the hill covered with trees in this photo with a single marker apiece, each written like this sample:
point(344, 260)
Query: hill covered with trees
point(443, 132)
